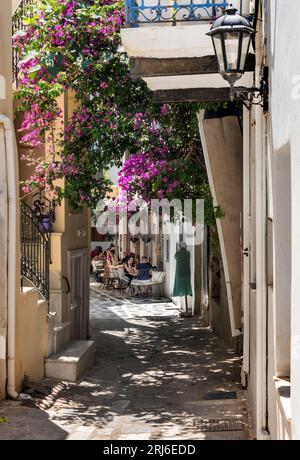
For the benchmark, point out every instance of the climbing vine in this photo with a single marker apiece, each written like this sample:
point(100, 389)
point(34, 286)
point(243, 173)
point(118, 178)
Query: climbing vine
point(74, 45)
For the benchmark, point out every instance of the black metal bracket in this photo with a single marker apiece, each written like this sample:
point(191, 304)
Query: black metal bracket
point(255, 96)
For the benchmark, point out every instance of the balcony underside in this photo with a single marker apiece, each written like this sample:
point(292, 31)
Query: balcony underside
point(166, 41)
point(181, 82)
point(187, 79)
point(190, 88)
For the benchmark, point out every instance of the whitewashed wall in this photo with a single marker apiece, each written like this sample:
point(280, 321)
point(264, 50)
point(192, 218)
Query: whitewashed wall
point(284, 61)
point(275, 319)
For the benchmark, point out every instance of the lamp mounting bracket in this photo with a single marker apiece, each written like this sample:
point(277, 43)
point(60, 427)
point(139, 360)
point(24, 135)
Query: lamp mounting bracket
point(255, 96)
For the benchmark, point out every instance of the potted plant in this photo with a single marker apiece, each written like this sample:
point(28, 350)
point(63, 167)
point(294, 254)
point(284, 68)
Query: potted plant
point(134, 239)
point(45, 213)
point(109, 236)
point(147, 239)
point(46, 223)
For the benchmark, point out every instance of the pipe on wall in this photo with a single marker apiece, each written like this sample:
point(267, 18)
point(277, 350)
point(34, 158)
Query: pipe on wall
point(246, 243)
point(11, 164)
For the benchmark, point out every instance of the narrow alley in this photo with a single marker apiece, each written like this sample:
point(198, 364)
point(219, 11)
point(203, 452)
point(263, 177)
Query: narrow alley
point(156, 376)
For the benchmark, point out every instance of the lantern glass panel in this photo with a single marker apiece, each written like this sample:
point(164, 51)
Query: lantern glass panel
point(232, 50)
point(219, 52)
point(245, 48)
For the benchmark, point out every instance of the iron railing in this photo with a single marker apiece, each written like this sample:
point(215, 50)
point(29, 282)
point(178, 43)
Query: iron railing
point(35, 250)
point(159, 11)
point(147, 11)
point(18, 25)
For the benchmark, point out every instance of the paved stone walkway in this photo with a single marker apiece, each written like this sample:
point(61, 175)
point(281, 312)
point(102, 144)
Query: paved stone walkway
point(151, 380)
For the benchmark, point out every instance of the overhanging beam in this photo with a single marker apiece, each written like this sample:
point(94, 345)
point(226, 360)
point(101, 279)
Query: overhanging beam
point(155, 67)
point(192, 95)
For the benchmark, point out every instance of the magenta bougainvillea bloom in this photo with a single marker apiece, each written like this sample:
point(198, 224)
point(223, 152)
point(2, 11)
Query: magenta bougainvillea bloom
point(75, 45)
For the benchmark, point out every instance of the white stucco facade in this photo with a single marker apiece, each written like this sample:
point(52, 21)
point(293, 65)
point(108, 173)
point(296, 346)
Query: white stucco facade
point(273, 324)
point(270, 225)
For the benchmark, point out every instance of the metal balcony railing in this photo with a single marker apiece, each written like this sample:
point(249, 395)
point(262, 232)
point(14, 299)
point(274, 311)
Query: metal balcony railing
point(35, 250)
point(17, 25)
point(158, 11)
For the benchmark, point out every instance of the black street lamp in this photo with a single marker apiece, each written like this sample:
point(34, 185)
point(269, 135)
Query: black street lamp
point(231, 36)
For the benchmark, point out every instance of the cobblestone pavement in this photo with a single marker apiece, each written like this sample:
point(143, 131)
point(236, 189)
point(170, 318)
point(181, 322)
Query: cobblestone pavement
point(151, 380)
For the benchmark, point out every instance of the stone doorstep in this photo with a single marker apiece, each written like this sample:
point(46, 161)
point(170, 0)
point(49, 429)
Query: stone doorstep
point(42, 302)
point(72, 361)
point(61, 335)
point(59, 328)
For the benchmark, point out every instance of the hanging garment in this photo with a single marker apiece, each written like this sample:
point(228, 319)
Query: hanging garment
point(182, 285)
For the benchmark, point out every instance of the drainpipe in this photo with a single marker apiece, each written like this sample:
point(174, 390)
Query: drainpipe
point(261, 282)
point(11, 164)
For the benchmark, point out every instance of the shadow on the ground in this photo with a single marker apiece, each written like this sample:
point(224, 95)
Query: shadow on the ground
point(153, 369)
point(153, 372)
point(26, 423)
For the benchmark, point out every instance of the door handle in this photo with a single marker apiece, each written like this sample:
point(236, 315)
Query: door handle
point(68, 284)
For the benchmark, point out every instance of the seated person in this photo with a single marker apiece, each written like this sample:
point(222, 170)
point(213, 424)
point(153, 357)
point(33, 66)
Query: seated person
point(124, 258)
point(98, 257)
point(144, 268)
point(144, 276)
point(129, 269)
point(97, 265)
point(98, 262)
point(114, 255)
point(96, 252)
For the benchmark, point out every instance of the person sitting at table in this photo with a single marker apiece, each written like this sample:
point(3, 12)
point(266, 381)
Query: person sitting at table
point(125, 257)
point(129, 269)
point(97, 264)
point(95, 253)
point(108, 262)
point(113, 254)
point(144, 268)
point(98, 250)
point(99, 256)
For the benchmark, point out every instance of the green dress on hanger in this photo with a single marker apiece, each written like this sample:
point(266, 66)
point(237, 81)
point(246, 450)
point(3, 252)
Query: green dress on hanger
point(182, 286)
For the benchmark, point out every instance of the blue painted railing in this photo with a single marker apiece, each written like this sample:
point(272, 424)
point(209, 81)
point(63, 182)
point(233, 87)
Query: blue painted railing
point(153, 11)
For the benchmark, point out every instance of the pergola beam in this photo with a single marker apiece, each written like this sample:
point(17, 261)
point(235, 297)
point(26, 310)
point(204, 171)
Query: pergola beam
point(193, 95)
point(157, 67)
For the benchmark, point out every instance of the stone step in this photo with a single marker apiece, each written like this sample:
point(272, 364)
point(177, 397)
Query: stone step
point(26, 289)
point(61, 335)
point(42, 302)
point(72, 361)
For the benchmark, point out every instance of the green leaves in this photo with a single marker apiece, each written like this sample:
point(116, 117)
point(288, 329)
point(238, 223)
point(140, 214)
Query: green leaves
point(84, 63)
point(106, 57)
point(52, 61)
point(27, 57)
point(80, 50)
point(32, 72)
point(30, 21)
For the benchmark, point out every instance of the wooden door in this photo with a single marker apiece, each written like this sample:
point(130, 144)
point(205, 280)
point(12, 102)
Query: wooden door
point(78, 278)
